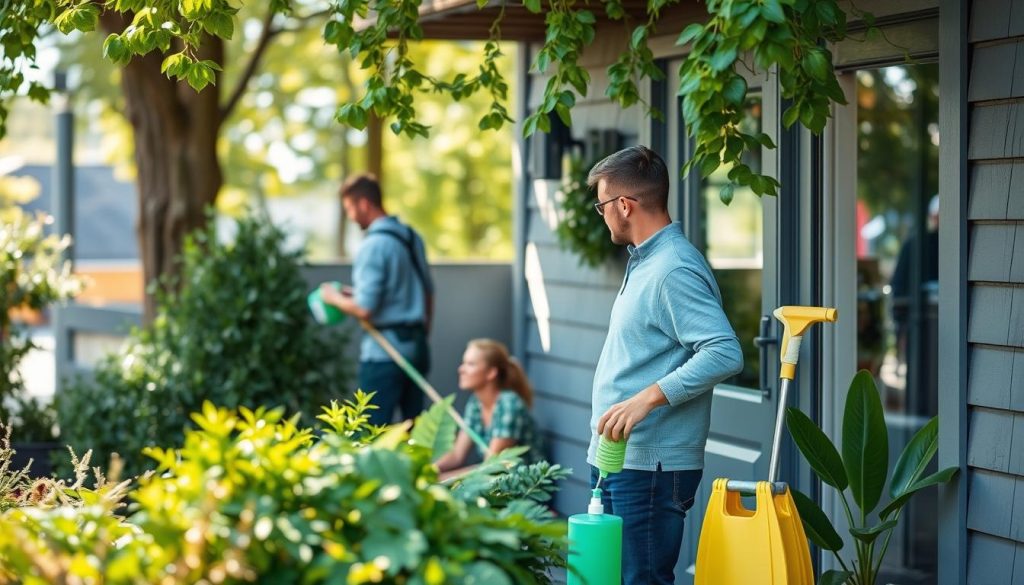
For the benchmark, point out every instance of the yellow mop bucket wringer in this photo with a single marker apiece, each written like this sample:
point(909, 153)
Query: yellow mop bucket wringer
point(766, 545)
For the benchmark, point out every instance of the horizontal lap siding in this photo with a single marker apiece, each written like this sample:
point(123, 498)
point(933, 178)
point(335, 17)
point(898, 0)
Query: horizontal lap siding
point(567, 307)
point(995, 272)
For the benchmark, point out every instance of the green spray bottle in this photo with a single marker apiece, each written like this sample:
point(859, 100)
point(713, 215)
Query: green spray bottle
point(595, 538)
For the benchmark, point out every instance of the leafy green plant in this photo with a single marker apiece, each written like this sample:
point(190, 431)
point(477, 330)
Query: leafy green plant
point(862, 469)
point(236, 331)
point(252, 497)
point(580, 229)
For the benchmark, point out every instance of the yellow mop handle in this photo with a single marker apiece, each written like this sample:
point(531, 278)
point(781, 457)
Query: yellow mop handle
point(422, 382)
point(795, 321)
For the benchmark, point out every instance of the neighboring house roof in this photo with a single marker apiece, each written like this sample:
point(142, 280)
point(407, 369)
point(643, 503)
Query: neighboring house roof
point(106, 210)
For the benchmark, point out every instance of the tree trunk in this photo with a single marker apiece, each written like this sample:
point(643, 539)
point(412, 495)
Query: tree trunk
point(179, 175)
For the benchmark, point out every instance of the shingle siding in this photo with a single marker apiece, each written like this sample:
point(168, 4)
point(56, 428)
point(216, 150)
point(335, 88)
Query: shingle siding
point(995, 273)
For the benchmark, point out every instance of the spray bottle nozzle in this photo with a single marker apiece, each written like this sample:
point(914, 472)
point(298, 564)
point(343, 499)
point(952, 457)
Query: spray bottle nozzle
point(596, 505)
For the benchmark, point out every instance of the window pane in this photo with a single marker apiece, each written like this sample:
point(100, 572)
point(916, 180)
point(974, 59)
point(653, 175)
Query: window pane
point(732, 240)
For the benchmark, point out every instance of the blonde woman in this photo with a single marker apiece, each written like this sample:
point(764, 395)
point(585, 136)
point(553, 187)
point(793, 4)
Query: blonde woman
point(498, 410)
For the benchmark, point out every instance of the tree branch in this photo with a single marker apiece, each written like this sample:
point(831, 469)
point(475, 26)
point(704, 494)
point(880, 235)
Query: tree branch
point(250, 68)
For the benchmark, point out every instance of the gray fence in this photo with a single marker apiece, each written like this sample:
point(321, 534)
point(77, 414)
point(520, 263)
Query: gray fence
point(473, 300)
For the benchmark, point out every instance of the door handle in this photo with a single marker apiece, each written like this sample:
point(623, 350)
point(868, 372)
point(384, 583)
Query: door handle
point(765, 339)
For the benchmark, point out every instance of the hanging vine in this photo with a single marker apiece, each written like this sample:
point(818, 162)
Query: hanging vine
point(789, 35)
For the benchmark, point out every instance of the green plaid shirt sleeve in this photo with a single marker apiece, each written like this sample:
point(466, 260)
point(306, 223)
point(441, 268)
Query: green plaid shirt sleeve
point(511, 418)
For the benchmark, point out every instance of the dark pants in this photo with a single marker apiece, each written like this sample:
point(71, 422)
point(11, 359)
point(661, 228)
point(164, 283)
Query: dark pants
point(652, 505)
point(394, 387)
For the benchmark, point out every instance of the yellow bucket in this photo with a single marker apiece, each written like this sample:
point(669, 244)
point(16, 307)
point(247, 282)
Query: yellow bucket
point(764, 546)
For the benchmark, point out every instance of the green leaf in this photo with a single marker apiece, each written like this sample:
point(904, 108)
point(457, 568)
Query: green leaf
point(865, 442)
point(563, 113)
point(834, 577)
point(765, 140)
point(639, 37)
point(735, 90)
point(772, 11)
point(709, 164)
point(114, 49)
point(689, 33)
point(723, 58)
point(816, 524)
point(726, 194)
point(38, 92)
point(869, 535)
point(532, 5)
point(790, 116)
point(816, 63)
point(586, 17)
point(915, 458)
point(937, 478)
point(176, 65)
point(220, 24)
point(817, 449)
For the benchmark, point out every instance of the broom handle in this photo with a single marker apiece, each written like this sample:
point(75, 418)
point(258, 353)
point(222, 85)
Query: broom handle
point(422, 383)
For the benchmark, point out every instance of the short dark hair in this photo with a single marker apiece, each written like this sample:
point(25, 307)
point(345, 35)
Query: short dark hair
point(637, 169)
point(363, 186)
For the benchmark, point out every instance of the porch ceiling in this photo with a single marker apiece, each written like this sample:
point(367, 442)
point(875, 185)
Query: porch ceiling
point(463, 20)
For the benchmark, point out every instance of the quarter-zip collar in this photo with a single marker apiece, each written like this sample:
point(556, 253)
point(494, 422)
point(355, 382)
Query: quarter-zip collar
point(648, 246)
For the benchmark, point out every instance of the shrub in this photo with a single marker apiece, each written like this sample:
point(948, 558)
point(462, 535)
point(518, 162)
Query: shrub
point(234, 330)
point(252, 497)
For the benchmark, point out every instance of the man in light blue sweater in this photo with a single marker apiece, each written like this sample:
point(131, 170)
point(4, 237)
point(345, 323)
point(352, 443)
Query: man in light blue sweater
point(669, 343)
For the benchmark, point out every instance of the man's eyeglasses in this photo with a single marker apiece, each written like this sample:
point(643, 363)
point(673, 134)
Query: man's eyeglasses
point(599, 206)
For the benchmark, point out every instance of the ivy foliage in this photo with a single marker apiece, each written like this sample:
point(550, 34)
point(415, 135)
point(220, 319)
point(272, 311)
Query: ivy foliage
point(580, 229)
point(791, 35)
point(252, 497)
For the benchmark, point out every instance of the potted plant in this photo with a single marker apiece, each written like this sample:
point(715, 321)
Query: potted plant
point(862, 470)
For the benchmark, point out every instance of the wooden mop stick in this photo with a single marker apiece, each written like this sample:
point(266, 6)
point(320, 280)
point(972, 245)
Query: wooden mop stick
point(422, 382)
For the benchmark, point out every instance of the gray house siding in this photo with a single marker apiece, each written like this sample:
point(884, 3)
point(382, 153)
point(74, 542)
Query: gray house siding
point(995, 287)
point(566, 306)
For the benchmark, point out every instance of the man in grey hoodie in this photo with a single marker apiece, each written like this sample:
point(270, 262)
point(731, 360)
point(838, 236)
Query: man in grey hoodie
point(668, 344)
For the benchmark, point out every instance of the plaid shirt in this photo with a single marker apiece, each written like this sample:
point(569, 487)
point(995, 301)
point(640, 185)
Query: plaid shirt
point(511, 419)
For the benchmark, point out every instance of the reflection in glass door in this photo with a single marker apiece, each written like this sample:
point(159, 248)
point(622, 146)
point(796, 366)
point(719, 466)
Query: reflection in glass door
point(896, 239)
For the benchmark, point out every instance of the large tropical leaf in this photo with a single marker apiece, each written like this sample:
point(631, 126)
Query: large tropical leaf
point(915, 458)
point(834, 577)
point(435, 428)
point(817, 449)
point(868, 535)
point(936, 478)
point(865, 442)
point(816, 524)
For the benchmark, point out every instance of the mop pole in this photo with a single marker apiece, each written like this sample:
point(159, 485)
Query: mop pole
point(795, 320)
point(422, 382)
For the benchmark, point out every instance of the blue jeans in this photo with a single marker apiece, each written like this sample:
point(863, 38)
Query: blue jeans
point(652, 505)
point(393, 388)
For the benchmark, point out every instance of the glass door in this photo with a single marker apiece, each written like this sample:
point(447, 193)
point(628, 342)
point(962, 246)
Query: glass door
point(885, 162)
